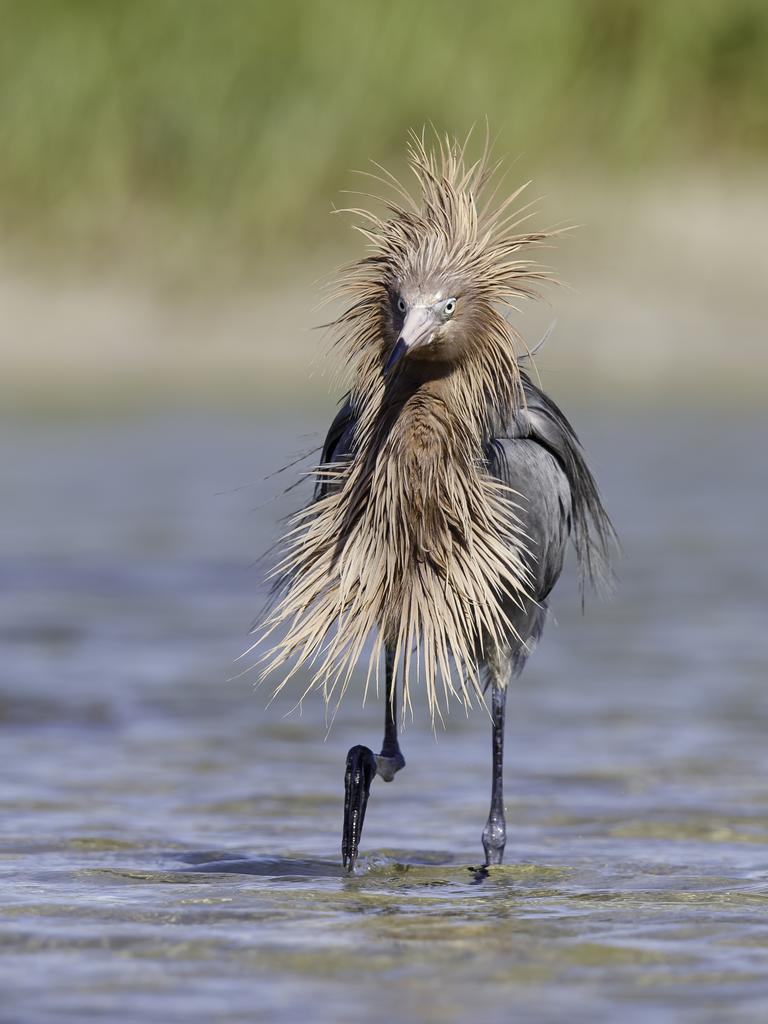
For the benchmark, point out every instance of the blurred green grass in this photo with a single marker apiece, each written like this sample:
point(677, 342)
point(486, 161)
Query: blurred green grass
point(239, 120)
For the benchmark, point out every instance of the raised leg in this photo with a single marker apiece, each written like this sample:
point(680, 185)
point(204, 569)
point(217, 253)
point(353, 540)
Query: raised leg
point(362, 767)
point(495, 831)
point(391, 759)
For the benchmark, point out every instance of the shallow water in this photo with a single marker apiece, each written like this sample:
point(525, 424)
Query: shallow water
point(169, 848)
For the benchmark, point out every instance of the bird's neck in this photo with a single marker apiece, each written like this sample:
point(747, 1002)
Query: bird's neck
point(418, 461)
point(419, 452)
point(446, 400)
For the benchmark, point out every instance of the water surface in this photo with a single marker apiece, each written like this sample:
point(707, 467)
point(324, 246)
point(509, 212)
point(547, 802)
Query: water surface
point(169, 847)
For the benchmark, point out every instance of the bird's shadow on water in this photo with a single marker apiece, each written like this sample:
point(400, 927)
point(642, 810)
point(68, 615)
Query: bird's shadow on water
point(213, 862)
point(287, 867)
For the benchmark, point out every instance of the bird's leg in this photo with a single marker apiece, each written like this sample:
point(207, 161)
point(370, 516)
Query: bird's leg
point(362, 767)
point(495, 831)
point(390, 760)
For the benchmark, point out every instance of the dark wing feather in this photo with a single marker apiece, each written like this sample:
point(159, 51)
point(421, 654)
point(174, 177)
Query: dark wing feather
point(337, 444)
point(592, 532)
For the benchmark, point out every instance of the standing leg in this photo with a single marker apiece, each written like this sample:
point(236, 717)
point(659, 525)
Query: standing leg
point(495, 831)
point(362, 767)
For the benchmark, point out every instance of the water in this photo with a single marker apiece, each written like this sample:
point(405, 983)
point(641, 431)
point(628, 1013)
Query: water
point(169, 848)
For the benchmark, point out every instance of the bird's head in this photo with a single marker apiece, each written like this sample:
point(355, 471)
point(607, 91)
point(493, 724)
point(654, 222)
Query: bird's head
point(426, 324)
point(444, 266)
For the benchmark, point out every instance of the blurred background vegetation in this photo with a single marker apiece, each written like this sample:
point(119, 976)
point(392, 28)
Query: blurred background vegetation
point(181, 142)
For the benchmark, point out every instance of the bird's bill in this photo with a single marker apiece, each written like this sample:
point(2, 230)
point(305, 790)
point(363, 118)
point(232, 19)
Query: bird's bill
point(418, 327)
point(359, 773)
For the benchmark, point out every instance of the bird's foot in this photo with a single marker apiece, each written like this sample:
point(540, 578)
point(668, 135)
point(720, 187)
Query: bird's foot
point(494, 841)
point(361, 769)
point(359, 773)
point(387, 766)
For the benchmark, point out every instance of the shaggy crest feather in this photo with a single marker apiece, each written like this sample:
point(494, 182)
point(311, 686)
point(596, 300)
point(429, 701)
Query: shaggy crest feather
point(410, 539)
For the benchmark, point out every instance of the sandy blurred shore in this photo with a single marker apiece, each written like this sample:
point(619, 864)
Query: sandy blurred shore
point(666, 303)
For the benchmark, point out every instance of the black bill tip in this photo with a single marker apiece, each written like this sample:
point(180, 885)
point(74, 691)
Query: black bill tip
point(359, 773)
point(396, 354)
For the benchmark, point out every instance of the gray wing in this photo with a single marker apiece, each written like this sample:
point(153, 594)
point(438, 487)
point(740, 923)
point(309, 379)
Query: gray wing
point(543, 499)
point(544, 424)
point(539, 457)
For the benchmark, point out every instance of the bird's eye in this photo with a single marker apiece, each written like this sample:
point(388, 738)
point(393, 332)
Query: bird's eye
point(449, 307)
point(401, 305)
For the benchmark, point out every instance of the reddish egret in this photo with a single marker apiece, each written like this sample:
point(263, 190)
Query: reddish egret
point(449, 483)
